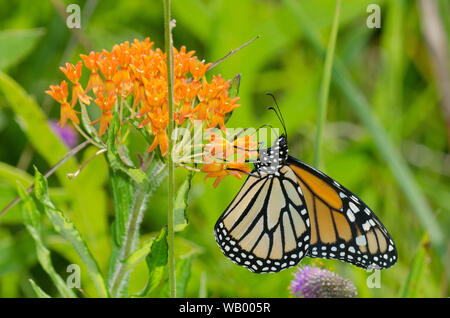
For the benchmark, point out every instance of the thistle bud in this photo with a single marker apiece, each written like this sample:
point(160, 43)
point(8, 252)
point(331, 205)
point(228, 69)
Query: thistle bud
point(315, 282)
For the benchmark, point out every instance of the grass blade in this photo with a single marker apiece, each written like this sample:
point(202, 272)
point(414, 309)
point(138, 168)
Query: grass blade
point(325, 86)
point(184, 266)
point(203, 290)
point(416, 271)
point(38, 290)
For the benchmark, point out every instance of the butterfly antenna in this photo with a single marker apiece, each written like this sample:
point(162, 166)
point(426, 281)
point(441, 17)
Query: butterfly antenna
point(278, 113)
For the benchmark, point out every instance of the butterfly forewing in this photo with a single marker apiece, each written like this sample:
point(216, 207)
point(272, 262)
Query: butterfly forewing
point(266, 227)
point(342, 226)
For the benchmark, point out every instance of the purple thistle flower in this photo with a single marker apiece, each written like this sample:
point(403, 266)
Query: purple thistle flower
point(67, 134)
point(315, 282)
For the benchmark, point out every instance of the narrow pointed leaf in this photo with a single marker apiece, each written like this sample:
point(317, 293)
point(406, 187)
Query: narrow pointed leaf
point(181, 204)
point(31, 218)
point(38, 290)
point(156, 262)
point(139, 254)
point(67, 229)
point(114, 159)
point(411, 288)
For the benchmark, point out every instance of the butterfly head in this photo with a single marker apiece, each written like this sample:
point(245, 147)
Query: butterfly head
point(271, 159)
point(282, 143)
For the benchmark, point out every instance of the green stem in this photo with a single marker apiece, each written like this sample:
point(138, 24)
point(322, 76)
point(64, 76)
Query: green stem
point(171, 211)
point(325, 86)
point(69, 155)
point(78, 128)
point(129, 242)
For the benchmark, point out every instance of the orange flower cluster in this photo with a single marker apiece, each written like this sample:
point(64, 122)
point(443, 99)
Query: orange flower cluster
point(132, 80)
point(221, 170)
point(240, 149)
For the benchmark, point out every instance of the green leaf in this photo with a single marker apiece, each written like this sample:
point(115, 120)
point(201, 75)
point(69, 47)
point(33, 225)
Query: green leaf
point(181, 204)
point(411, 288)
point(87, 124)
point(114, 159)
point(123, 190)
point(12, 175)
point(183, 273)
point(156, 262)
point(203, 290)
point(142, 131)
point(38, 290)
point(34, 124)
point(31, 218)
point(67, 229)
point(17, 44)
point(123, 193)
point(183, 270)
point(139, 255)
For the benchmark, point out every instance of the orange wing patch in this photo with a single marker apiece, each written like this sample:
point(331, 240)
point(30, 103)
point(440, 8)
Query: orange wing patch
point(343, 228)
point(323, 203)
point(324, 218)
point(309, 199)
point(320, 188)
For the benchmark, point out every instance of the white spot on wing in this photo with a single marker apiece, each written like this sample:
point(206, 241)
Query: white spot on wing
point(361, 240)
point(350, 215)
point(353, 206)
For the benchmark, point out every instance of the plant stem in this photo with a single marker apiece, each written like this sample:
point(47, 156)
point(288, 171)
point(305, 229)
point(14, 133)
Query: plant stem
point(69, 155)
point(76, 173)
point(130, 239)
point(232, 52)
point(87, 137)
point(171, 194)
point(325, 86)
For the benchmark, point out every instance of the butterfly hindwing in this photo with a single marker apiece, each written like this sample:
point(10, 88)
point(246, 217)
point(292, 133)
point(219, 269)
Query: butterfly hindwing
point(266, 227)
point(342, 226)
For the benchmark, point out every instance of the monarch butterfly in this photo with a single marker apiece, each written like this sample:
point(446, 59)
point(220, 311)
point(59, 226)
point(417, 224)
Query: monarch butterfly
point(286, 209)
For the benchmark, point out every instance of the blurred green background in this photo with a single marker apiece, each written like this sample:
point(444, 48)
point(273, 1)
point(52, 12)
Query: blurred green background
point(386, 136)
